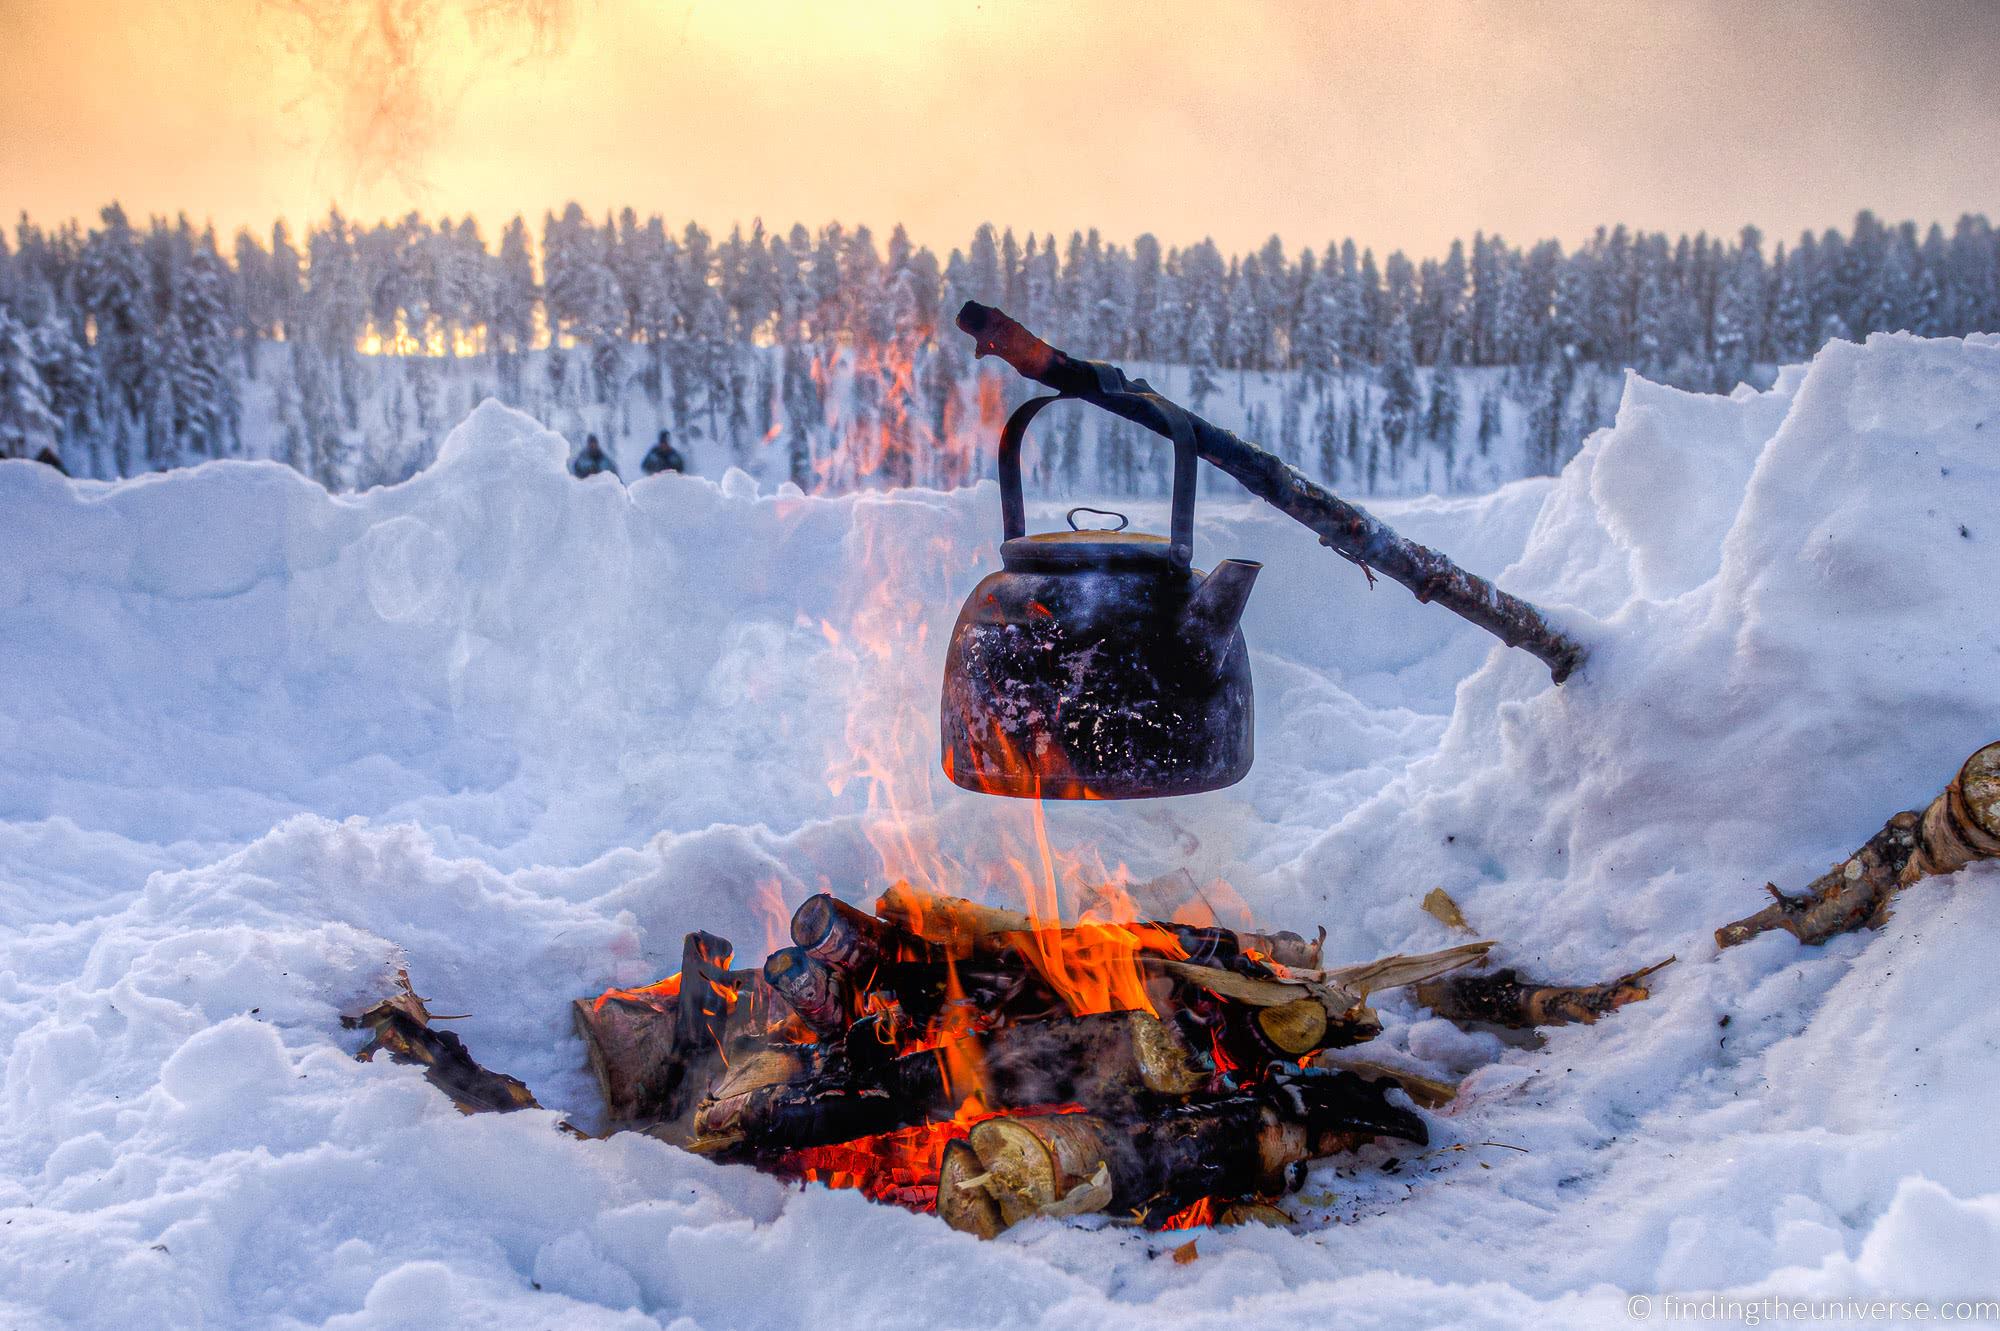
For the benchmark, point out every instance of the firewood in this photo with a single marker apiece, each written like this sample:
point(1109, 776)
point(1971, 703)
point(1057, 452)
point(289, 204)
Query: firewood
point(631, 1049)
point(1426, 1092)
point(963, 928)
point(847, 939)
point(814, 989)
point(1293, 1028)
point(1239, 1146)
point(1960, 826)
point(1034, 1164)
point(401, 1025)
point(1251, 1213)
point(1341, 993)
point(963, 1199)
point(1503, 998)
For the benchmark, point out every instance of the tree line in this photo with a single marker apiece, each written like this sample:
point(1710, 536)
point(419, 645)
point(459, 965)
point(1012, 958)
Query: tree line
point(126, 348)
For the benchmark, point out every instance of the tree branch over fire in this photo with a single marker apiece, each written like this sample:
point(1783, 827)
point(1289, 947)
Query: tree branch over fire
point(1346, 529)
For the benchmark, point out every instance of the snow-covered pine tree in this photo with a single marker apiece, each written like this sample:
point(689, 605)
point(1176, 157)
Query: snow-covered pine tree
point(1201, 358)
point(1145, 314)
point(1401, 405)
point(1739, 309)
point(251, 299)
point(1330, 437)
point(70, 377)
point(1546, 421)
point(28, 423)
point(803, 410)
point(986, 283)
point(510, 320)
point(1240, 335)
point(1291, 423)
point(1442, 414)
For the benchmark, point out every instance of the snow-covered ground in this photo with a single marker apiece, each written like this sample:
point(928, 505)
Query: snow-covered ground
point(260, 745)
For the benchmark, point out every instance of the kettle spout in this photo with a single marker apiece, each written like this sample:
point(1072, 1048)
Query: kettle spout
point(1209, 623)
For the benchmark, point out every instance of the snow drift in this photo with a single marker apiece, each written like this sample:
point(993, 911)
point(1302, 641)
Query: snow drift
point(260, 745)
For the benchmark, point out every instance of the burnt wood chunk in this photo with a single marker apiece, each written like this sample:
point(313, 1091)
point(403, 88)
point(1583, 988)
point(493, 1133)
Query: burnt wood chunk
point(632, 1053)
point(1504, 998)
point(401, 1026)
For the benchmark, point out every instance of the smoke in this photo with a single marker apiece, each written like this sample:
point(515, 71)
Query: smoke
point(389, 74)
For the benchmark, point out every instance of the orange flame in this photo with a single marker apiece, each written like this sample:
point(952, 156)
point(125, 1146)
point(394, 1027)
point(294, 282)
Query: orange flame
point(900, 1167)
point(1198, 1216)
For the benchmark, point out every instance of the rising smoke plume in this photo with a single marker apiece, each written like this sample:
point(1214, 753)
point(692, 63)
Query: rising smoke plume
point(390, 73)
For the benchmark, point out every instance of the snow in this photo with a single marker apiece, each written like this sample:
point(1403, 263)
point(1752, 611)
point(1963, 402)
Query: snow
point(260, 745)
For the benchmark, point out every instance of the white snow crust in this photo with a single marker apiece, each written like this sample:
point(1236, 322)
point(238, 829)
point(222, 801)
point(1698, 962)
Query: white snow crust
point(260, 745)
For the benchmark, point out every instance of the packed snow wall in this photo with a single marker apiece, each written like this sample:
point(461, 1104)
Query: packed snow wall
point(261, 745)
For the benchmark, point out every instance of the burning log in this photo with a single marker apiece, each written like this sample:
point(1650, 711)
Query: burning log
point(1114, 1062)
point(632, 1052)
point(1503, 998)
point(964, 928)
point(1960, 826)
point(813, 988)
point(1344, 528)
point(950, 1055)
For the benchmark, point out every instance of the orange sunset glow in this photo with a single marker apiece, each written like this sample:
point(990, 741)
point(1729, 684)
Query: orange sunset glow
point(1403, 125)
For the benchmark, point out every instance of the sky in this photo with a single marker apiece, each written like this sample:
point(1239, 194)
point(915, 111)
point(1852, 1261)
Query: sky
point(1402, 125)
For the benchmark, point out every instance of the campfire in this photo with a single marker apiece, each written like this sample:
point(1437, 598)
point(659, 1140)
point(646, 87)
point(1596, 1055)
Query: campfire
point(990, 1066)
point(1114, 1049)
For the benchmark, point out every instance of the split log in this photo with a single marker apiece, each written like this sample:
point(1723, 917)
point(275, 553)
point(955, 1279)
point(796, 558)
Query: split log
point(1348, 530)
point(1034, 1164)
point(633, 1054)
point(1504, 998)
point(964, 1198)
point(401, 1026)
point(1960, 826)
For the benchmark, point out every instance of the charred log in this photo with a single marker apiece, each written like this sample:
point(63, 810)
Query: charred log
point(1505, 998)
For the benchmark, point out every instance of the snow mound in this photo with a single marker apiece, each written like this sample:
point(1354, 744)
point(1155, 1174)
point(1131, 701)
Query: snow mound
point(262, 746)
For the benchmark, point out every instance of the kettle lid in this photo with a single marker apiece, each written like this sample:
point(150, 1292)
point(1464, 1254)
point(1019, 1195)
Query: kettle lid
point(1067, 551)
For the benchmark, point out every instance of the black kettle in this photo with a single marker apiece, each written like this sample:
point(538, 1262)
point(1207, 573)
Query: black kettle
point(1098, 664)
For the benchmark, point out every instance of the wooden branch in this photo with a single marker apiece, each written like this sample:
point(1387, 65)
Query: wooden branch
point(1346, 529)
point(1960, 826)
point(1270, 1007)
point(1504, 998)
point(401, 1025)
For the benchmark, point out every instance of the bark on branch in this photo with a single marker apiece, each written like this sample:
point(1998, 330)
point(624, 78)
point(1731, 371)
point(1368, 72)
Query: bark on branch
point(1960, 826)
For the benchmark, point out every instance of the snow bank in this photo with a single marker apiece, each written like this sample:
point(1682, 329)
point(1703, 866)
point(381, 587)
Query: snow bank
point(260, 746)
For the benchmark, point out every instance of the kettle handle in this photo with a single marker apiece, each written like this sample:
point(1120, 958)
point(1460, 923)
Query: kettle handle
point(1013, 508)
